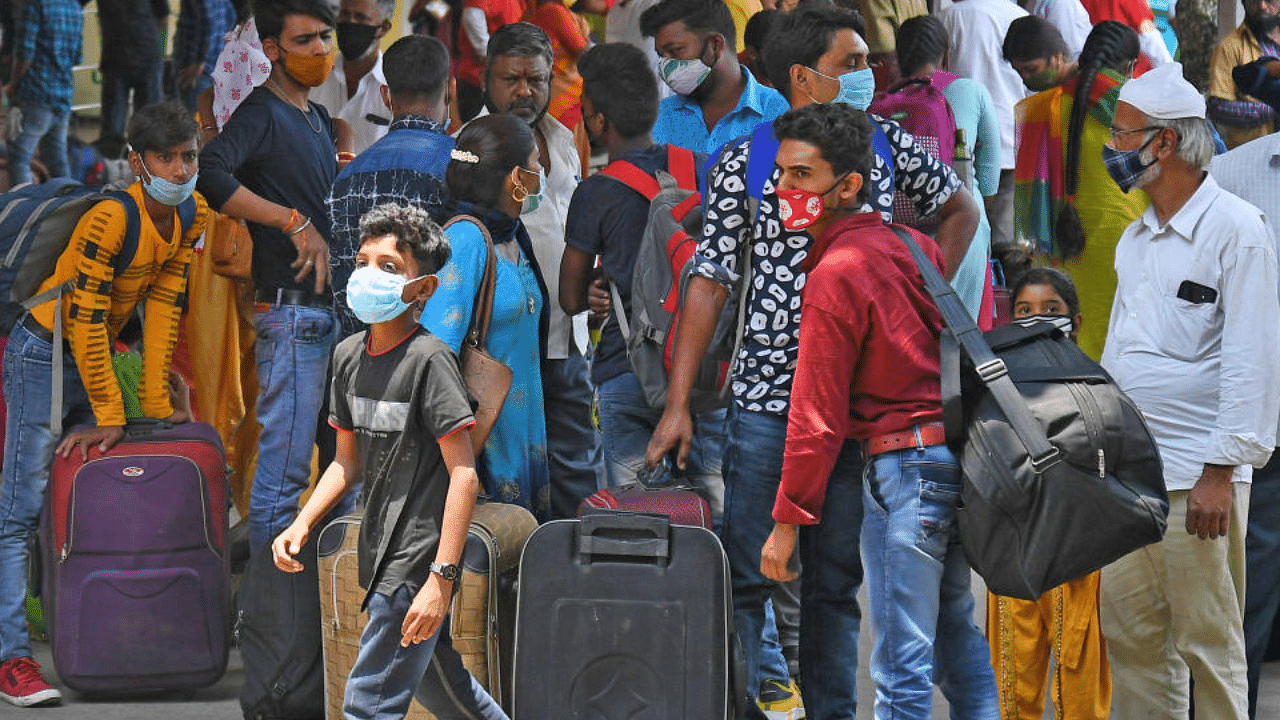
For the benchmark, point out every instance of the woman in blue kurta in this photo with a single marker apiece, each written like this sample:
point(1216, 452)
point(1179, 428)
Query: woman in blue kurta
point(492, 176)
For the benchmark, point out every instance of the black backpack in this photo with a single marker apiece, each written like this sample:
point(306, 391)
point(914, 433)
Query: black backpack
point(1061, 474)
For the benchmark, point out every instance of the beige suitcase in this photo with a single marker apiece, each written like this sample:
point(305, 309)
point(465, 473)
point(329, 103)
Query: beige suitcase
point(482, 617)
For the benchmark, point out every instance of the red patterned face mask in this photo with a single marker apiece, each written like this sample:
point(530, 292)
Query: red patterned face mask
point(801, 208)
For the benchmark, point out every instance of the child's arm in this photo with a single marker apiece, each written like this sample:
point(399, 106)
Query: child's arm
point(431, 603)
point(332, 486)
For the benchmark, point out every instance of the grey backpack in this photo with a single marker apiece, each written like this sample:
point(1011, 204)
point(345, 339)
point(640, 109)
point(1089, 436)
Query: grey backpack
point(664, 264)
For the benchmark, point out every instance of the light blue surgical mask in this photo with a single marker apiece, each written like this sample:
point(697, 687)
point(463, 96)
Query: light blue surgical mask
point(533, 200)
point(166, 191)
point(375, 295)
point(857, 88)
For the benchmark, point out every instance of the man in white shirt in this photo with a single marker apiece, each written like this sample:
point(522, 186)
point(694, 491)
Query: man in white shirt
point(1192, 340)
point(1069, 17)
point(353, 91)
point(1252, 171)
point(976, 29)
point(517, 80)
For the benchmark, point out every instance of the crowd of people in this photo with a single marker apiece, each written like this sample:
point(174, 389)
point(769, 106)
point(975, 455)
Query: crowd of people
point(385, 187)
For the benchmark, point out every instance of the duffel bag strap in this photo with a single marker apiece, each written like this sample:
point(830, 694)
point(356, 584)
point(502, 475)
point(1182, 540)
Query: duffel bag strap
point(991, 369)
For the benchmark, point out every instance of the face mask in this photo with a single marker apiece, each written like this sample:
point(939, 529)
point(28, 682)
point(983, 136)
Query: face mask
point(355, 39)
point(533, 200)
point(374, 295)
point(857, 88)
point(801, 208)
point(309, 70)
point(1126, 166)
point(1062, 322)
point(165, 191)
point(684, 76)
point(1042, 80)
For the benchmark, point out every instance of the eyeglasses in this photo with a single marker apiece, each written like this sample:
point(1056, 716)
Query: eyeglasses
point(1116, 132)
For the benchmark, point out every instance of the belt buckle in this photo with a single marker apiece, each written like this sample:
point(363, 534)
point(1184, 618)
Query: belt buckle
point(915, 430)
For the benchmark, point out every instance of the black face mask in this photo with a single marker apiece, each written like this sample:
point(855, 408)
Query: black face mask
point(1261, 25)
point(354, 39)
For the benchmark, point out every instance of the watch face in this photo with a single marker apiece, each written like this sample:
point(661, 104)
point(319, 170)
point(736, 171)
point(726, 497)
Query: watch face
point(448, 572)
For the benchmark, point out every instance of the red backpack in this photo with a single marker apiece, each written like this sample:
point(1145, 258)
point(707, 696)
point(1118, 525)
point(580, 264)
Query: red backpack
point(918, 105)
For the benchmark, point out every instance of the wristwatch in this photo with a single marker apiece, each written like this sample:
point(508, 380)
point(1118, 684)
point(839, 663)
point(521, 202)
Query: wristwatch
point(447, 571)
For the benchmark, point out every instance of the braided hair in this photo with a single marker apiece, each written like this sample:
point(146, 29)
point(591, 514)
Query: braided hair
point(1111, 45)
point(921, 41)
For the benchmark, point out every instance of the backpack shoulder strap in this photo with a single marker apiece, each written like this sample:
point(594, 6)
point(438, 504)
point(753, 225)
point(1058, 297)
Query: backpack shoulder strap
point(990, 369)
point(681, 166)
point(132, 229)
point(187, 214)
point(761, 157)
point(880, 143)
point(633, 177)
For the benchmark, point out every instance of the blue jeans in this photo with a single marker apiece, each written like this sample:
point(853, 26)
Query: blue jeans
point(293, 357)
point(830, 575)
point(573, 447)
point(1262, 556)
point(191, 95)
point(142, 84)
point(627, 422)
point(28, 454)
point(386, 677)
point(918, 590)
point(46, 129)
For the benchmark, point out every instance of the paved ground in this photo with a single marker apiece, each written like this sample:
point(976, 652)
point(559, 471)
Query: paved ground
point(220, 702)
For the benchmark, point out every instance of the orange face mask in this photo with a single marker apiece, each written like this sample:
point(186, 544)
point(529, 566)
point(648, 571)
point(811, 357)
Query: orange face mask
point(309, 70)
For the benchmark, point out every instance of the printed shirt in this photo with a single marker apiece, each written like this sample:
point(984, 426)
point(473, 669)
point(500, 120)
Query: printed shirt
point(407, 168)
point(49, 35)
point(102, 301)
point(399, 404)
point(680, 121)
point(869, 357)
point(766, 364)
point(1204, 374)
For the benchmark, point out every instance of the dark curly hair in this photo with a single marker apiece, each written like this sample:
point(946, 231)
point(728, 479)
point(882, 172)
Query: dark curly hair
point(841, 132)
point(622, 88)
point(413, 229)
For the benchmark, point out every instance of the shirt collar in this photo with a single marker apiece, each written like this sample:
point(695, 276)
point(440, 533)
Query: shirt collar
point(1184, 221)
point(415, 122)
point(856, 221)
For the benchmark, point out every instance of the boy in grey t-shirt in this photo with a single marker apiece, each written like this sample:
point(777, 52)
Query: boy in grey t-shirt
point(396, 387)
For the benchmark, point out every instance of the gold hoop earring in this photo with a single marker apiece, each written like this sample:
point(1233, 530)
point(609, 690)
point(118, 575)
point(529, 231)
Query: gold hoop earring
point(522, 192)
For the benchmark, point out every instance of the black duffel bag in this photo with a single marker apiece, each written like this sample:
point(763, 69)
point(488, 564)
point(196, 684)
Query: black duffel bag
point(1061, 474)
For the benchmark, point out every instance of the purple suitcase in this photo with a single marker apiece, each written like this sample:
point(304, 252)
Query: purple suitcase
point(136, 581)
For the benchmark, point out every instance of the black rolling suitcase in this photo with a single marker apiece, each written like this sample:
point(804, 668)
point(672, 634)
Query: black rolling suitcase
point(625, 615)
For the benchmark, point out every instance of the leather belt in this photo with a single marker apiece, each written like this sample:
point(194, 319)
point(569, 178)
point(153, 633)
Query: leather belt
point(271, 297)
point(34, 327)
point(916, 436)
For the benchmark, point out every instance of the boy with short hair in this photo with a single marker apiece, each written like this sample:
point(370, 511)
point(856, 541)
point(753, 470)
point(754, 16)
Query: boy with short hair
point(619, 107)
point(869, 371)
point(395, 385)
point(164, 156)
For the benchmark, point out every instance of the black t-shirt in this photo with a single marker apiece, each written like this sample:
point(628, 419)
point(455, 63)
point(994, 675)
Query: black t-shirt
point(131, 34)
point(607, 219)
point(283, 155)
point(398, 404)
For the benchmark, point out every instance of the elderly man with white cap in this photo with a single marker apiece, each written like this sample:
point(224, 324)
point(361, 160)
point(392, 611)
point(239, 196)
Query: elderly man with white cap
point(1192, 340)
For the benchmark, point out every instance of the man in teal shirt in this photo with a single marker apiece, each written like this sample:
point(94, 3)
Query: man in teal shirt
point(716, 99)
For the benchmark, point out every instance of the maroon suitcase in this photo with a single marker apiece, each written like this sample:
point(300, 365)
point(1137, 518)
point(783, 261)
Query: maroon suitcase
point(136, 582)
point(683, 505)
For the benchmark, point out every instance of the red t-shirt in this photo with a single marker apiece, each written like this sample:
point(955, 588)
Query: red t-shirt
point(869, 355)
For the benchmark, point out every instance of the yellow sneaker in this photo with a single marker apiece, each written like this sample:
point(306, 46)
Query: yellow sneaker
point(779, 701)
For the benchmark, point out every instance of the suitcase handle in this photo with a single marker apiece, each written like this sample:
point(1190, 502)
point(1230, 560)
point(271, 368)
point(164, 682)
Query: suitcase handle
point(641, 536)
point(143, 426)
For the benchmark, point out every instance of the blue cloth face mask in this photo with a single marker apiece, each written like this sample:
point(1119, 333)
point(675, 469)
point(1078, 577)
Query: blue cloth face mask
point(857, 88)
point(1127, 166)
point(165, 191)
point(375, 295)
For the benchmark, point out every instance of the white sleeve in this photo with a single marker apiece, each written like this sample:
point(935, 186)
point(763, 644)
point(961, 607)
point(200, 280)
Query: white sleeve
point(1152, 44)
point(477, 27)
